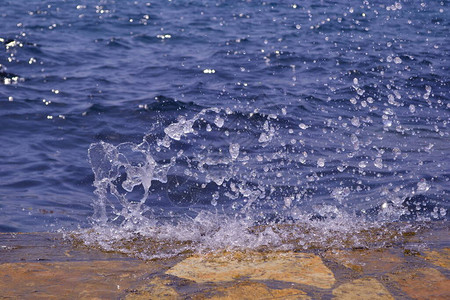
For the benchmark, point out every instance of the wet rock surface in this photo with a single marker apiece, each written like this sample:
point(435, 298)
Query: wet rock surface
point(156, 288)
point(439, 258)
point(365, 288)
point(423, 283)
point(253, 290)
point(71, 280)
point(301, 268)
point(367, 260)
point(46, 266)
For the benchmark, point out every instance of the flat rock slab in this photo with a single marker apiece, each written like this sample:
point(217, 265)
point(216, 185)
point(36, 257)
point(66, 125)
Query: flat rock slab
point(423, 283)
point(254, 290)
point(439, 258)
point(369, 261)
point(47, 247)
point(365, 288)
point(47, 266)
point(302, 268)
point(157, 288)
point(70, 280)
point(160, 288)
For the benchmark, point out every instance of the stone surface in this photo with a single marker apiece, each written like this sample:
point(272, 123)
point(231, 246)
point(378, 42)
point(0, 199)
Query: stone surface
point(46, 247)
point(365, 288)
point(424, 283)
point(368, 261)
point(439, 258)
point(158, 289)
point(45, 266)
point(71, 280)
point(302, 268)
point(253, 290)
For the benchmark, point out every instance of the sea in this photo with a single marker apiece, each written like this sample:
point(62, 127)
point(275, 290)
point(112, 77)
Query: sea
point(204, 124)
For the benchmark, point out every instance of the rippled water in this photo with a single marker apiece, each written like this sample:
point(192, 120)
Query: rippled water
point(198, 120)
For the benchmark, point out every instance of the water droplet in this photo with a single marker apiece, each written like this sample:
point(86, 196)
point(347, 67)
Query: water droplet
point(263, 138)
point(234, 151)
point(340, 193)
point(378, 163)
point(321, 162)
point(423, 186)
point(303, 126)
point(341, 168)
point(219, 121)
point(355, 121)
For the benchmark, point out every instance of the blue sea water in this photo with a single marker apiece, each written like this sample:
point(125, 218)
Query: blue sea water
point(145, 114)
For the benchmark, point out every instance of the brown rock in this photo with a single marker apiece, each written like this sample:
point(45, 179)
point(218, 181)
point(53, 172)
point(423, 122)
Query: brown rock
point(369, 261)
point(303, 268)
point(254, 290)
point(439, 258)
point(365, 288)
point(158, 289)
point(71, 280)
point(425, 283)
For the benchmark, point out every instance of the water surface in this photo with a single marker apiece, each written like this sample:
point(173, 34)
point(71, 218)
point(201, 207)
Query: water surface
point(197, 120)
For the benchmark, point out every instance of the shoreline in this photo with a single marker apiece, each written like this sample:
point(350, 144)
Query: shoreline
point(45, 265)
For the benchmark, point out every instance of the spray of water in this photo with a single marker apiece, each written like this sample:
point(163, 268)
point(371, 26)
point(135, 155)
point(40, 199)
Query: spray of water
point(227, 179)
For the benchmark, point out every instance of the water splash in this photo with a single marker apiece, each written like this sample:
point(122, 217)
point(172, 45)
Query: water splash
point(222, 179)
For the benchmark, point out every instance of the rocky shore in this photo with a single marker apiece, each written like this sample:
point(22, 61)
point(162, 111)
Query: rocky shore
point(46, 266)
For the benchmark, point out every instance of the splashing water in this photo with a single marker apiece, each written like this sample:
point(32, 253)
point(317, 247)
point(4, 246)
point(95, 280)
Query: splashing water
point(326, 128)
point(249, 180)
